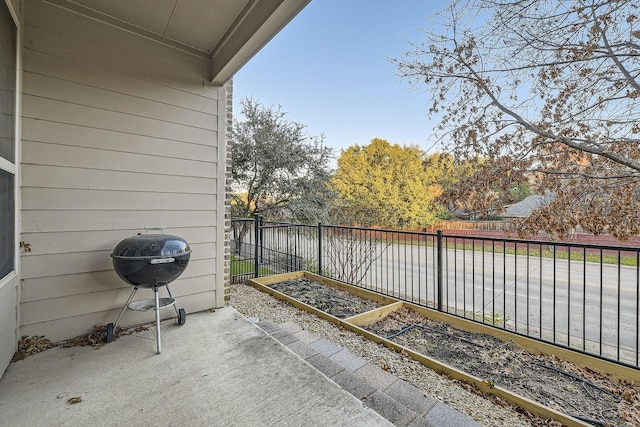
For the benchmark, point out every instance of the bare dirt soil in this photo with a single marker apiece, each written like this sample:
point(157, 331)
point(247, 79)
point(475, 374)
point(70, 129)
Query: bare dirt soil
point(555, 383)
point(337, 302)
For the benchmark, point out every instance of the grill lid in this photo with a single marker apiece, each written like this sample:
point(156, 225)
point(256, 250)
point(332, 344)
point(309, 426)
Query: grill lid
point(151, 246)
point(151, 260)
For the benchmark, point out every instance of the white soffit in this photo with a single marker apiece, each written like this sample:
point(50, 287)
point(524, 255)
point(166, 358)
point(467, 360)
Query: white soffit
point(226, 32)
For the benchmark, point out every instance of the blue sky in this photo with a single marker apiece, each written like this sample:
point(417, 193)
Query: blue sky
point(329, 70)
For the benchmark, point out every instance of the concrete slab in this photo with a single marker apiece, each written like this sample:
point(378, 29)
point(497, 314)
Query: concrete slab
point(217, 369)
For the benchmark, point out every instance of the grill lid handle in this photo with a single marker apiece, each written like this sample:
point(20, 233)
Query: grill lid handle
point(161, 260)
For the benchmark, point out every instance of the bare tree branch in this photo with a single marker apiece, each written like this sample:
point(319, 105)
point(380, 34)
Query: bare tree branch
point(545, 89)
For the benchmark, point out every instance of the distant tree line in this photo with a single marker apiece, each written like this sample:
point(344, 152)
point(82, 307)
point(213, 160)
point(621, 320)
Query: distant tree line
point(529, 93)
point(283, 173)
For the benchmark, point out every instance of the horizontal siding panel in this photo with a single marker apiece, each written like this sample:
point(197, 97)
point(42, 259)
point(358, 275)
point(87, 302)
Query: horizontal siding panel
point(86, 262)
point(75, 305)
point(43, 288)
point(37, 153)
point(62, 264)
point(6, 126)
point(74, 200)
point(56, 221)
point(119, 132)
point(7, 99)
point(54, 66)
point(74, 93)
point(64, 112)
point(79, 241)
point(62, 33)
point(82, 304)
point(69, 327)
point(84, 137)
point(92, 179)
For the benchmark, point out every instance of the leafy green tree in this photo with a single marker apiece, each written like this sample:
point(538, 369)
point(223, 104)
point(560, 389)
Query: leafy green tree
point(278, 170)
point(450, 171)
point(385, 184)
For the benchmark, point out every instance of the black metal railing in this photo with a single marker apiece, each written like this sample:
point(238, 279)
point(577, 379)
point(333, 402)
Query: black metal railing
point(261, 248)
point(578, 296)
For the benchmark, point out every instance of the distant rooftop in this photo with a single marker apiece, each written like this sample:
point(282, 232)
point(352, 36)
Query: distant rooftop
point(526, 206)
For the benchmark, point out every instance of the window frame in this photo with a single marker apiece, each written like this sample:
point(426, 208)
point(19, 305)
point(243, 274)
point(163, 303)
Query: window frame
point(6, 165)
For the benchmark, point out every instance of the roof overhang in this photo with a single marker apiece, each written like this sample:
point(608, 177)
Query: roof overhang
point(227, 33)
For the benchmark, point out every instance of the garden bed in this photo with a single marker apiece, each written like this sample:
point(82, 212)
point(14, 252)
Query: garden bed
point(492, 362)
point(548, 380)
point(336, 302)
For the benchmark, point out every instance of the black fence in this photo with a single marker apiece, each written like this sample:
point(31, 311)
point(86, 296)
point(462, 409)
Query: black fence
point(577, 296)
point(259, 248)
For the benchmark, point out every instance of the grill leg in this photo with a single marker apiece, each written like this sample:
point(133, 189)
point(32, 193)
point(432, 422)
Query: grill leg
point(133, 292)
point(171, 296)
point(155, 292)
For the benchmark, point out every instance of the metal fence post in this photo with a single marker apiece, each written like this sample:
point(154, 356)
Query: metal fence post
point(261, 240)
point(439, 267)
point(319, 248)
point(256, 244)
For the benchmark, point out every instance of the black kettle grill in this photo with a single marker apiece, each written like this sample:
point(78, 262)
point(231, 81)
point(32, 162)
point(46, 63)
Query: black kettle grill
point(150, 261)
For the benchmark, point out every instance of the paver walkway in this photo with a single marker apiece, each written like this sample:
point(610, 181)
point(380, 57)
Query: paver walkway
point(395, 399)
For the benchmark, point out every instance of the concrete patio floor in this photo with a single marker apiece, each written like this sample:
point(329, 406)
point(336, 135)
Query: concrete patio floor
point(216, 370)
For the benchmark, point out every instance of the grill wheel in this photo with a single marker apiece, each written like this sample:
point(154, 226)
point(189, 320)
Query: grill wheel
point(182, 316)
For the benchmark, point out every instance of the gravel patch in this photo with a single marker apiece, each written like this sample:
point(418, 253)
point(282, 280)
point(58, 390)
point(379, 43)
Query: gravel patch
point(487, 410)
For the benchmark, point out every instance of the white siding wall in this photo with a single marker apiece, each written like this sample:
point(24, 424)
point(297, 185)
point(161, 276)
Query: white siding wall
point(119, 133)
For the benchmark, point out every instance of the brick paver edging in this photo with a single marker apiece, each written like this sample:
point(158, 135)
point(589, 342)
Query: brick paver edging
point(395, 399)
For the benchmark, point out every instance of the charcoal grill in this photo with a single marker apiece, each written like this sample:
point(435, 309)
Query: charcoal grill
point(150, 261)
